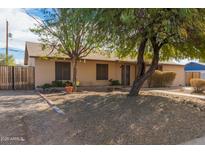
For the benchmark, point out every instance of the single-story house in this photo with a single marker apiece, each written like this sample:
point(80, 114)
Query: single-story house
point(194, 70)
point(95, 69)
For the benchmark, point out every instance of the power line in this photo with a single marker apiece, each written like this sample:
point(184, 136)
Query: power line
point(12, 49)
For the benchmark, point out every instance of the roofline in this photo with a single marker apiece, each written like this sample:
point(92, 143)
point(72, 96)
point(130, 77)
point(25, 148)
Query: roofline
point(60, 58)
point(122, 61)
point(119, 60)
point(172, 64)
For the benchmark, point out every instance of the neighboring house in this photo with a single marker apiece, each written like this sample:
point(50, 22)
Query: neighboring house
point(194, 70)
point(94, 70)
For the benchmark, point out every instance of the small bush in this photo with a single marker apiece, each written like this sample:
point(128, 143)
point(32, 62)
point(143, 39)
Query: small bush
point(198, 84)
point(161, 79)
point(46, 85)
point(61, 83)
point(114, 82)
point(58, 84)
point(68, 83)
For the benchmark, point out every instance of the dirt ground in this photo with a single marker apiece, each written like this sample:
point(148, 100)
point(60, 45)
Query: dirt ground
point(100, 118)
point(14, 107)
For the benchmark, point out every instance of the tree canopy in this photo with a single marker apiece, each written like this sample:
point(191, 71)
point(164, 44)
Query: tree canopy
point(180, 32)
point(160, 34)
point(69, 31)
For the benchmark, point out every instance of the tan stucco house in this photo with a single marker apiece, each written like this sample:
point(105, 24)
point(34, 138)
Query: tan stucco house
point(94, 70)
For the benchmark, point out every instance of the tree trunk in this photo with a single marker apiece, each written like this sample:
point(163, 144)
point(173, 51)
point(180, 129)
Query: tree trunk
point(74, 74)
point(137, 85)
point(140, 68)
point(142, 76)
point(140, 59)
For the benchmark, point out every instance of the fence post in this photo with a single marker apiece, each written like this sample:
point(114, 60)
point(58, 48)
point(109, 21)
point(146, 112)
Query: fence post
point(13, 84)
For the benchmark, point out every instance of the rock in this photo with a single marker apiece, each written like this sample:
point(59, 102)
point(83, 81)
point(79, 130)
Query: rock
point(194, 105)
point(198, 108)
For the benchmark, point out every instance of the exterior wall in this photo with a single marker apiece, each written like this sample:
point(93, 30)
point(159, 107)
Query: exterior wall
point(44, 71)
point(132, 73)
point(31, 61)
point(180, 74)
point(86, 74)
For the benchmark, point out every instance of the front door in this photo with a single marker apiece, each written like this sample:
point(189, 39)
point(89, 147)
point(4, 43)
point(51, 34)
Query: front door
point(125, 75)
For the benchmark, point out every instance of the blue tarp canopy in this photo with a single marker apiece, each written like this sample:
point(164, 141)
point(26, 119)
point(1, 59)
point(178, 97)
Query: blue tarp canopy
point(193, 66)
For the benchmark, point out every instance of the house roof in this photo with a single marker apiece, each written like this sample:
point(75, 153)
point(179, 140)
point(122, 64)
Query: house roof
point(194, 66)
point(35, 50)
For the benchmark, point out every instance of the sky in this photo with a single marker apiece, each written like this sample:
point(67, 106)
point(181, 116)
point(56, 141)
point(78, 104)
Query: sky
point(19, 25)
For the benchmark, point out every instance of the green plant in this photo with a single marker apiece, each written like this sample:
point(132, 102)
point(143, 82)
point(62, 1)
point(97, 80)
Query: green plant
point(160, 34)
point(46, 85)
point(161, 79)
point(11, 60)
point(68, 83)
point(114, 82)
point(58, 83)
point(198, 84)
point(71, 31)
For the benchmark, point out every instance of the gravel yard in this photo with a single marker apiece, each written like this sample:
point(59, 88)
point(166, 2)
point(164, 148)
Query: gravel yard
point(100, 118)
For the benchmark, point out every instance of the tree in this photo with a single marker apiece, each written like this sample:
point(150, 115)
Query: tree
point(158, 33)
point(11, 60)
point(69, 31)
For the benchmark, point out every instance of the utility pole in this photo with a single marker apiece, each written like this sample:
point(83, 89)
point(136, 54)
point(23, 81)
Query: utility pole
point(7, 31)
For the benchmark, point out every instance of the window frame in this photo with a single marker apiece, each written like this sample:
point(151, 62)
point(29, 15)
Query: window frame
point(62, 69)
point(102, 77)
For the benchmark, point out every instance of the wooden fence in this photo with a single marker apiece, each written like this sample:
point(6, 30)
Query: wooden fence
point(17, 77)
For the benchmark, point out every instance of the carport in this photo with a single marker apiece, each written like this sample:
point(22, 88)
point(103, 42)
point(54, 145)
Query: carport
point(194, 70)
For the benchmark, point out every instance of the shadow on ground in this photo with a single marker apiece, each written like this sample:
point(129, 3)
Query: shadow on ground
point(111, 118)
point(14, 107)
point(99, 118)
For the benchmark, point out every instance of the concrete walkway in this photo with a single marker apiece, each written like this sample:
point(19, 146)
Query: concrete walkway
point(197, 141)
point(179, 94)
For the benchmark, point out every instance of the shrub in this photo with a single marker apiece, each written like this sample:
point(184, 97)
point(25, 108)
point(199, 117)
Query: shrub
point(61, 83)
point(198, 84)
point(68, 83)
point(161, 79)
point(46, 85)
point(114, 82)
point(58, 84)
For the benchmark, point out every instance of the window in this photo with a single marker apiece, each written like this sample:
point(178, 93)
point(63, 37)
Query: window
point(101, 71)
point(62, 71)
